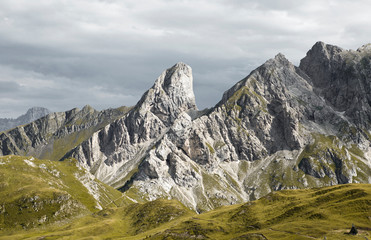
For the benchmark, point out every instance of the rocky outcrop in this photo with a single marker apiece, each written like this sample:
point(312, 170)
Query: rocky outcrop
point(31, 115)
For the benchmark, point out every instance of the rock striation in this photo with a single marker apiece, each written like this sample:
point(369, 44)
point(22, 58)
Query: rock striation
point(120, 146)
point(50, 137)
point(281, 127)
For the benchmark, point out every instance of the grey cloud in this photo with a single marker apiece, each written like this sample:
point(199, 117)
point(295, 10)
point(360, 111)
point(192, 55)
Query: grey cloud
point(8, 88)
point(107, 53)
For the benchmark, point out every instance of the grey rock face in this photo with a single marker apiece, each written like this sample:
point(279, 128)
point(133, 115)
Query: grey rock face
point(343, 78)
point(53, 135)
point(31, 115)
point(121, 145)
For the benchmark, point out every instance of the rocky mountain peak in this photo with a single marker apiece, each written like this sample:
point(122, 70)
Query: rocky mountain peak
point(35, 113)
point(177, 82)
point(278, 63)
point(281, 58)
point(268, 80)
point(318, 60)
point(327, 49)
point(342, 77)
point(88, 110)
point(171, 94)
point(123, 143)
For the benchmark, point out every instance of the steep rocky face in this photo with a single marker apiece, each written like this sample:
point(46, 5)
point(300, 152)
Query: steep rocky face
point(343, 78)
point(31, 115)
point(52, 136)
point(115, 151)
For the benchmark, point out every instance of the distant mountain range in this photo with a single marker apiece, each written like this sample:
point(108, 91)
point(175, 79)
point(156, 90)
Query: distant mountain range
point(31, 115)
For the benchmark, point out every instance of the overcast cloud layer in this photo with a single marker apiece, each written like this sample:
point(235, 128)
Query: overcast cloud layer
point(107, 53)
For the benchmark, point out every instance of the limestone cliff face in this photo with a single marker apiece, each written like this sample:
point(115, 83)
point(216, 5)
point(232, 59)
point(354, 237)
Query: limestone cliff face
point(116, 150)
point(343, 78)
point(281, 127)
point(277, 128)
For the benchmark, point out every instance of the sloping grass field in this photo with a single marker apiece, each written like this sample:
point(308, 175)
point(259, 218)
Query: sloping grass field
point(289, 214)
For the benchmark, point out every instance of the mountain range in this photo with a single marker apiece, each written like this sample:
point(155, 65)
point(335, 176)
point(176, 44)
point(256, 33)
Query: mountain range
point(31, 115)
point(281, 127)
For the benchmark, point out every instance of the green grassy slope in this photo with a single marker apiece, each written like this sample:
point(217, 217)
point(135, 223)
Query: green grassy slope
point(292, 214)
point(35, 193)
point(288, 214)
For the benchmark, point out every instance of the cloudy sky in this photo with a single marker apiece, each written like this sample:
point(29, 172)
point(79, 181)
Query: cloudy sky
point(62, 54)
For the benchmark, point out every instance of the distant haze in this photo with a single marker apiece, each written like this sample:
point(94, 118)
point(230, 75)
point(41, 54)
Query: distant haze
point(107, 53)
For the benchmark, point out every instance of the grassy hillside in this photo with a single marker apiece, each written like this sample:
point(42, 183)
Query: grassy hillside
point(288, 214)
point(36, 193)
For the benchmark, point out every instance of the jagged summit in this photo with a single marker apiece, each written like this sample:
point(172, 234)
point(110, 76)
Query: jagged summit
point(178, 84)
point(33, 114)
point(88, 108)
point(280, 57)
point(37, 111)
point(171, 94)
point(266, 75)
point(122, 144)
point(343, 78)
point(328, 48)
point(318, 59)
